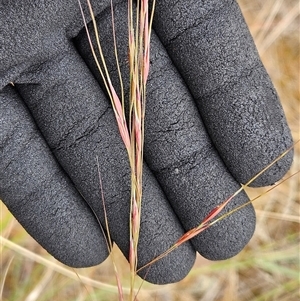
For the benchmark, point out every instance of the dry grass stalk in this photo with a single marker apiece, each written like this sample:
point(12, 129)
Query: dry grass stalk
point(209, 220)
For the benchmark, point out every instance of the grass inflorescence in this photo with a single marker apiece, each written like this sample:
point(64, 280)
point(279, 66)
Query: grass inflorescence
point(132, 133)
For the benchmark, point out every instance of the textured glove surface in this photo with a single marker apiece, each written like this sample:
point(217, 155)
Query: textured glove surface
point(213, 120)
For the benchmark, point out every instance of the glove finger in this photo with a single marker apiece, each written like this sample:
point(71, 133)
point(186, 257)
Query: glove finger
point(177, 147)
point(38, 192)
point(213, 50)
point(79, 125)
point(34, 31)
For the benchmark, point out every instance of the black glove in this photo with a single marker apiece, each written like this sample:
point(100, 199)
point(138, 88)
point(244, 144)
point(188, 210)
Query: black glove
point(213, 120)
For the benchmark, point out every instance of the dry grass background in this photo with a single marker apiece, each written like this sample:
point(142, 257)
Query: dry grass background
point(267, 269)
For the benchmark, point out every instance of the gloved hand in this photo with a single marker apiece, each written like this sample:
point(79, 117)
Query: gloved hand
point(213, 120)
